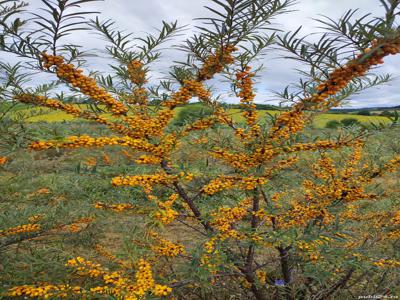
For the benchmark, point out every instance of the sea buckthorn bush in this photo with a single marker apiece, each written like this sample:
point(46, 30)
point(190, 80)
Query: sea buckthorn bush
point(219, 209)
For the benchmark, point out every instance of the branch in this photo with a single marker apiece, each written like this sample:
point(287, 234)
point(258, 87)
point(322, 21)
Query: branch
point(182, 193)
point(325, 294)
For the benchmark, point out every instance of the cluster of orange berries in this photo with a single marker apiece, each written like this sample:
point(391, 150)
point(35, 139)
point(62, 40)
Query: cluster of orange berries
point(247, 95)
point(350, 213)
point(85, 84)
point(254, 131)
point(142, 126)
point(144, 277)
point(201, 124)
point(167, 143)
point(122, 285)
point(346, 185)
point(387, 263)
point(200, 140)
point(137, 74)
point(35, 218)
point(74, 228)
point(311, 249)
point(91, 162)
point(286, 124)
point(351, 165)
point(324, 168)
point(293, 121)
point(240, 161)
point(148, 160)
point(106, 159)
point(215, 62)
point(39, 192)
point(341, 190)
point(394, 234)
point(250, 183)
point(138, 98)
point(114, 207)
point(88, 141)
point(282, 164)
point(219, 184)
point(223, 117)
point(396, 218)
point(210, 256)
point(145, 281)
point(300, 214)
point(393, 164)
point(45, 291)
point(86, 267)
point(340, 77)
point(189, 89)
point(3, 160)
point(50, 103)
point(161, 290)
point(165, 247)
point(72, 110)
point(26, 228)
point(228, 182)
point(261, 276)
point(318, 145)
point(225, 217)
point(145, 181)
point(166, 214)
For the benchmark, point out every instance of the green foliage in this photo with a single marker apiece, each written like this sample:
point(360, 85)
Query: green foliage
point(191, 113)
point(332, 124)
point(387, 113)
point(349, 122)
point(364, 113)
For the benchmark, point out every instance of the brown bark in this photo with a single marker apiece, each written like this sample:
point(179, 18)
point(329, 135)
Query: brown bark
point(182, 193)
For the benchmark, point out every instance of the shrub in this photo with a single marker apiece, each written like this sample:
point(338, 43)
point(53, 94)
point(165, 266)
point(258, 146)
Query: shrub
point(333, 124)
point(347, 122)
point(364, 113)
point(387, 113)
point(280, 214)
point(192, 113)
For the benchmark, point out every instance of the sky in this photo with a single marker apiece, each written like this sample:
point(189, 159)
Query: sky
point(141, 17)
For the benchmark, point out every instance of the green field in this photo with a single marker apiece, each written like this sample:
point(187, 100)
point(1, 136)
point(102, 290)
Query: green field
point(319, 122)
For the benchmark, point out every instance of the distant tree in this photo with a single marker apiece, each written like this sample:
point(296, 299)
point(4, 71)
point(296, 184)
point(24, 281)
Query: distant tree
point(333, 124)
point(349, 122)
point(192, 113)
point(387, 113)
point(364, 113)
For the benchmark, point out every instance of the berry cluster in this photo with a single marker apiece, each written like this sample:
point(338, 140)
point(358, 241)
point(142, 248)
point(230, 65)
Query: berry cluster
point(85, 84)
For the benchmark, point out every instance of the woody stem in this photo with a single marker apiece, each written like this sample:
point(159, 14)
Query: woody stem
point(182, 193)
point(248, 270)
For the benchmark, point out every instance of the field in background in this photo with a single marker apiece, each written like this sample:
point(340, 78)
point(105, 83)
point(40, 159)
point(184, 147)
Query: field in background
point(319, 122)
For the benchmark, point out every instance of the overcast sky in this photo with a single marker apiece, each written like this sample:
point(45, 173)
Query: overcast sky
point(140, 16)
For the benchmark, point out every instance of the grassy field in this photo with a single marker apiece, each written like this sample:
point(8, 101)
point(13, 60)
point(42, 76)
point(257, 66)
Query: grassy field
point(319, 122)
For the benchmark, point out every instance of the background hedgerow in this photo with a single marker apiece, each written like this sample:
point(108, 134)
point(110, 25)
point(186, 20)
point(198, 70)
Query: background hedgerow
point(192, 113)
point(125, 204)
